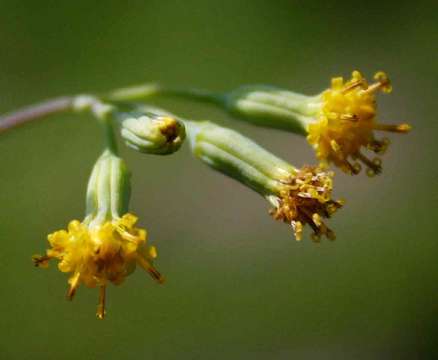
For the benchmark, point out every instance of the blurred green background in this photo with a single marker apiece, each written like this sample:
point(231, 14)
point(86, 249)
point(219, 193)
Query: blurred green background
point(239, 286)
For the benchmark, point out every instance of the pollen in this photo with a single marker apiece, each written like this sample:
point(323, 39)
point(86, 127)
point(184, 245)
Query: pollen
point(346, 124)
point(306, 199)
point(98, 255)
point(169, 128)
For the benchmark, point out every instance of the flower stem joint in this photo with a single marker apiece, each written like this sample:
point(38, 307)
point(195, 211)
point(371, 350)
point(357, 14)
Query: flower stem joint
point(106, 246)
point(298, 196)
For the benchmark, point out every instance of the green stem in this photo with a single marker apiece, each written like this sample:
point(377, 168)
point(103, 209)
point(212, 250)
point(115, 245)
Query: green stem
point(147, 91)
point(103, 112)
point(110, 138)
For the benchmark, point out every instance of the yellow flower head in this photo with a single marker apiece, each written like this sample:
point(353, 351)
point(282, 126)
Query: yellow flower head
point(99, 254)
point(347, 121)
point(306, 199)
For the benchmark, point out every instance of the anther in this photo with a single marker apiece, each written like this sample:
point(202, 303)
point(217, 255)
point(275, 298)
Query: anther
point(150, 269)
point(376, 168)
point(350, 117)
point(317, 219)
point(370, 172)
point(41, 260)
point(297, 227)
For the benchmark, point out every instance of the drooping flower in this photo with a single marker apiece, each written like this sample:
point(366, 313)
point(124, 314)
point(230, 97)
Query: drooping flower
point(105, 247)
point(339, 123)
point(306, 199)
point(101, 254)
point(298, 196)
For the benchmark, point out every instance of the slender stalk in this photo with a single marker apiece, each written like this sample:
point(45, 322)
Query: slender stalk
point(35, 112)
point(110, 137)
point(147, 91)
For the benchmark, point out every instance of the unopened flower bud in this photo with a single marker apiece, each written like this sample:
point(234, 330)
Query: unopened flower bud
point(150, 130)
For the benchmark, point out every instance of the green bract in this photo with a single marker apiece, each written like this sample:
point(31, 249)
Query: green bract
point(108, 189)
point(273, 107)
point(237, 156)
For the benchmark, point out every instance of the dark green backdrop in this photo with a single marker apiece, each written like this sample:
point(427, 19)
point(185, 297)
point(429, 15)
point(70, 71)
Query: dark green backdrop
point(239, 286)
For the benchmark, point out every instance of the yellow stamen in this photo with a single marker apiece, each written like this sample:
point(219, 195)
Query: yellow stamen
point(347, 120)
point(146, 265)
point(374, 165)
point(100, 254)
point(74, 283)
point(400, 128)
point(306, 199)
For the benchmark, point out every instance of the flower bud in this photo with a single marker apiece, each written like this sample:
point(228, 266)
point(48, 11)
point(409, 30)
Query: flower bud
point(151, 130)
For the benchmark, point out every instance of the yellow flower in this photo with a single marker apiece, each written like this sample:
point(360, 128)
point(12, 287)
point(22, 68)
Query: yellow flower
point(305, 198)
point(97, 254)
point(347, 121)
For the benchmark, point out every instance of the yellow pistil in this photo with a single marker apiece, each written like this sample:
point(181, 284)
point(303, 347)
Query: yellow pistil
point(347, 121)
point(306, 199)
point(99, 254)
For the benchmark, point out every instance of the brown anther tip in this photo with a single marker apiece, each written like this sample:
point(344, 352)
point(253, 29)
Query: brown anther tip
point(316, 237)
point(370, 172)
point(352, 169)
point(374, 166)
point(383, 81)
point(330, 235)
point(70, 293)
point(40, 261)
point(357, 168)
point(350, 117)
point(156, 275)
